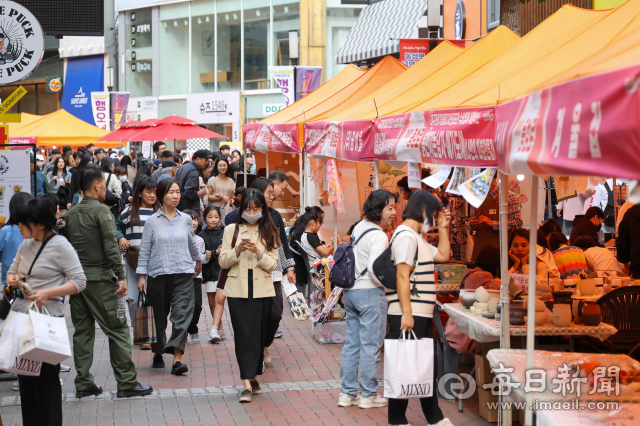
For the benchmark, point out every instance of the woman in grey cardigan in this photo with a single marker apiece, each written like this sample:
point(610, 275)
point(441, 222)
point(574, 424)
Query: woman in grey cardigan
point(56, 273)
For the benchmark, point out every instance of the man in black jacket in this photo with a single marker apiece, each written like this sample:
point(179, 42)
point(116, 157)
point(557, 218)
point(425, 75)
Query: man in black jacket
point(188, 177)
point(628, 242)
point(588, 224)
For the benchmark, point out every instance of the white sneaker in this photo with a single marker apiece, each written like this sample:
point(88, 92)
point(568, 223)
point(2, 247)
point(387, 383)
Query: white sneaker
point(195, 338)
point(16, 386)
point(64, 368)
point(267, 356)
point(444, 422)
point(346, 400)
point(214, 337)
point(221, 333)
point(375, 401)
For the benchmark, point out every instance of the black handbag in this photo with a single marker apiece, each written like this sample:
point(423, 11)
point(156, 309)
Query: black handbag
point(111, 199)
point(384, 268)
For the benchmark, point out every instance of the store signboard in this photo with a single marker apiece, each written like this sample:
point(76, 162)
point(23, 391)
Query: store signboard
point(142, 108)
point(307, 80)
point(283, 76)
point(458, 137)
point(268, 109)
point(84, 75)
point(271, 137)
point(218, 108)
point(119, 103)
point(100, 108)
point(345, 140)
point(15, 176)
point(413, 49)
point(586, 124)
point(54, 84)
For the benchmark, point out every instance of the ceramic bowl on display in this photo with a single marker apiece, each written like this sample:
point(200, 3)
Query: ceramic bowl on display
point(493, 304)
point(488, 314)
point(482, 307)
point(498, 317)
point(482, 295)
point(517, 304)
point(516, 316)
point(591, 320)
point(472, 309)
point(468, 299)
point(562, 315)
point(587, 286)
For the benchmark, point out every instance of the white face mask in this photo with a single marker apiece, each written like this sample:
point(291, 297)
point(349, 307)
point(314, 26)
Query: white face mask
point(252, 218)
point(123, 178)
point(426, 227)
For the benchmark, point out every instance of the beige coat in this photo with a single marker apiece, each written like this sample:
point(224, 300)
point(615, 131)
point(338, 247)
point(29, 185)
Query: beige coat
point(236, 285)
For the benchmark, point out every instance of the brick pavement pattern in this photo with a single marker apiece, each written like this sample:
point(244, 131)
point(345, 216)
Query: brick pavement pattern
point(301, 387)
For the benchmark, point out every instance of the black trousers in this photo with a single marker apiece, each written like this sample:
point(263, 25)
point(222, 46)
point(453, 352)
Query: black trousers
point(250, 319)
point(171, 293)
point(42, 397)
point(197, 310)
point(276, 314)
point(430, 407)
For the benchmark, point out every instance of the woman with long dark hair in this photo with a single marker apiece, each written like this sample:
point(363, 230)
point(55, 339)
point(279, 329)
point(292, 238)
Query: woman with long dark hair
point(221, 184)
point(518, 244)
point(168, 251)
point(250, 252)
point(10, 237)
point(129, 231)
point(59, 182)
point(74, 188)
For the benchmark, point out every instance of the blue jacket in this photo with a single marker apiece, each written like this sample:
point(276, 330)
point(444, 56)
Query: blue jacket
point(10, 240)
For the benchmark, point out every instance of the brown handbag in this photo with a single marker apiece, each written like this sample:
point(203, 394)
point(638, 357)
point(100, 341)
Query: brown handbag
point(222, 278)
point(132, 256)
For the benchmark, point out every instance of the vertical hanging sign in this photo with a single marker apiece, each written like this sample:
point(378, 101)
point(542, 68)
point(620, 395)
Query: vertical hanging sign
point(284, 77)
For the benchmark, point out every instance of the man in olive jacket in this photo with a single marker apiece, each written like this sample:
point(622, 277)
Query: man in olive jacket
point(90, 228)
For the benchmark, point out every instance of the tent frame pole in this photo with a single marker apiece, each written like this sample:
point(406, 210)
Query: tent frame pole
point(301, 179)
point(376, 178)
point(505, 334)
point(266, 154)
point(531, 300)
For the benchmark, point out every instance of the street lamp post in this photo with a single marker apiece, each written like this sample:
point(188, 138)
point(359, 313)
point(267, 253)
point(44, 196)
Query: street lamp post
point(110, 78)
point(294, 54)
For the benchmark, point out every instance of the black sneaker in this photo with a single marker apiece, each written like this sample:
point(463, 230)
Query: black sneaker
point(94, 390)
point(278, 335)
point(255, 387)
point(137, 390)
point(246, 396)
point(179, 368)
point(158, 362)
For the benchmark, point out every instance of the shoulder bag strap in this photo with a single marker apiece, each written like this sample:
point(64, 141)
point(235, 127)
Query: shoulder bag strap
point(235, 236)
point(44, 243)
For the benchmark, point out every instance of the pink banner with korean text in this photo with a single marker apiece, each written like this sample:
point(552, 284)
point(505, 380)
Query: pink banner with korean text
point(581, 127)
point(344, 140)
point(265, 137)
point(457, 137)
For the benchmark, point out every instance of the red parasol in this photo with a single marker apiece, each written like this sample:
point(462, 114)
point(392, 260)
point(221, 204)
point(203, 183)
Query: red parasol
point(169, 132)
point(128, 130)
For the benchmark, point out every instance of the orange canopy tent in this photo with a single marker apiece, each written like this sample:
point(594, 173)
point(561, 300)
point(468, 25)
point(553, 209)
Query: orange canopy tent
point(61, 128)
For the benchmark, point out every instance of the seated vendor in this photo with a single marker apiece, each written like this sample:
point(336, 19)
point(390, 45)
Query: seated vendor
point(519, 257)
point(598, 258)
point(569, 259)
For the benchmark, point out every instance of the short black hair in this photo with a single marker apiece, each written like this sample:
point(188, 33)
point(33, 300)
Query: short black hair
point(17, 200)
point(234, 167)
point(594, 211)
point(37, 211)
point(225, 147)
point(277, 176)
point(66, 148)
point(556, 239)
point(163, 188)
point(157, 145)
point(239, 191)
point(375, 203)
point(488, 260)
point(176, 158)
point(55, 151)
point(90, 145)
point(166, 154)
point(98, 151)
point(584, 242)
point(194, 216)
point(422, 205)
point(550, 227)
point(88, 176)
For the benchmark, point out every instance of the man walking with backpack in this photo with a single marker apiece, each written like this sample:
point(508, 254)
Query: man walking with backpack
point(366, 307)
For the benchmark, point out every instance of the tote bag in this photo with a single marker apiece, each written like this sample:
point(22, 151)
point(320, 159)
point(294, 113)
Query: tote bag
point(144, 327)
point(9, 347)
point(408, 368)
point(44, 338)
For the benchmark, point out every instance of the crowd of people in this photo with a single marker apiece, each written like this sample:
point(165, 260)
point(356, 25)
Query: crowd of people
point(175, 226)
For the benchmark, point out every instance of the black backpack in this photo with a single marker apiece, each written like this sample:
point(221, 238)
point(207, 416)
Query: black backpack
point(343, 272)
point(385, 269)
point(110, 198)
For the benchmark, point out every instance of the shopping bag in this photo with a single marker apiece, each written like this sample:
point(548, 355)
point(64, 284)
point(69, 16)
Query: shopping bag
point(299, 308)
point(9, 347)
point(408, 368)
point(144, 327)
point(44, 338)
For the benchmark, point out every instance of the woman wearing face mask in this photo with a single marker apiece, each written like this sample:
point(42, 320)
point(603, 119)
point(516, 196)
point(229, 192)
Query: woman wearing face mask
point(411, 306)
point(129, 230)
point(519, 256)
point(167, 252)
point(221, 184)
point(59, 182)
point(249, 288)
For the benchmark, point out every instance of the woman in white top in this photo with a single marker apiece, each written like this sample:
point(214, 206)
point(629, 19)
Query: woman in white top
point(411, 306)
point(221, 184)
point(113, 182)
point(518, 244)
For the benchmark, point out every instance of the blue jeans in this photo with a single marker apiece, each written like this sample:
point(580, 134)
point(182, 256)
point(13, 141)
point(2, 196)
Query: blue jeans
point(366, 326)
point(554, 214)
point(132, 291)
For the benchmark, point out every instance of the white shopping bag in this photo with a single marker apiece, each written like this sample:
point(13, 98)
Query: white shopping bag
point(45, 338)
point(9, 347)
point(408, 368)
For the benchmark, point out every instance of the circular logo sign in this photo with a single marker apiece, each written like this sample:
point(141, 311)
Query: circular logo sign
point(460, 20)
point(21, 42)
point(55, 85)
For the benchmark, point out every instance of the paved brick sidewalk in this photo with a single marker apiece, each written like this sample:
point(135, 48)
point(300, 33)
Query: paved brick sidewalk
point(301, 387)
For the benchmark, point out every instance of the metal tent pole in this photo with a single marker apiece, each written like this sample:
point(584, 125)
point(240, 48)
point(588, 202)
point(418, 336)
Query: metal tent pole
point(550, 215)
point(505, 335)
point(376, 178)
point(301, 179)
point(267, 162)
point(531, 300)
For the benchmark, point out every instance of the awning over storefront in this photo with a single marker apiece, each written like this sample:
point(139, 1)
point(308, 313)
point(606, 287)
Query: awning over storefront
point(379, 29)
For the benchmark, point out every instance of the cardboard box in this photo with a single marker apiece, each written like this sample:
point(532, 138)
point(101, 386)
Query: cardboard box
point(450, 273)
point(484, 397)
point(483, 371)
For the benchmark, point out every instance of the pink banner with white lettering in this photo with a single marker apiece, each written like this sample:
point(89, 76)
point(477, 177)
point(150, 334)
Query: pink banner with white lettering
point(586, 126)
point(457, 137)
point(345, 140)
point(265, 137)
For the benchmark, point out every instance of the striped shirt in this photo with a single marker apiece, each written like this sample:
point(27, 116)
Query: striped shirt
point(423, 278)
point(133, 235)
point(202, 249)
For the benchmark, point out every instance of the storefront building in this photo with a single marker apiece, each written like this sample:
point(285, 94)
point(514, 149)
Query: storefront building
point(208, 60)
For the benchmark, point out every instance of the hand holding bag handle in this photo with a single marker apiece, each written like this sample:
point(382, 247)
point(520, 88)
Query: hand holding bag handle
point(142, 300)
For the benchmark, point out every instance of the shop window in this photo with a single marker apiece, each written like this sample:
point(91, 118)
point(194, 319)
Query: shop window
point(286, 17)
point(36, 101)
point(339, 24)
point(493, 14)
point(203, 46)
point(228, 42)
point(174, 49)
point(256, 42)
point(138, 61)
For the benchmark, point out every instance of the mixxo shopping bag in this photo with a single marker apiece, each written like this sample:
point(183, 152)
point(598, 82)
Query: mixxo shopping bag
point(9, 347)
point(408, 368)
point(144, 327)
point(44, 338)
